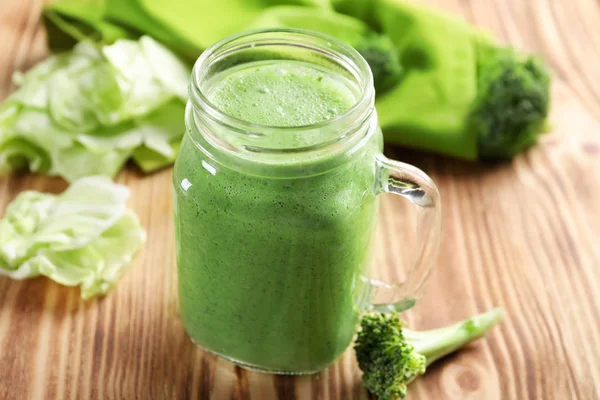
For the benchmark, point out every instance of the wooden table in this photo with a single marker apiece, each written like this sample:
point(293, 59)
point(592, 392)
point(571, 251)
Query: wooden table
point(523, 235)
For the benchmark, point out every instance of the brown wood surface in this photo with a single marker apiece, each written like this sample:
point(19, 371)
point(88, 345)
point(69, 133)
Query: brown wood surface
point(523, 235)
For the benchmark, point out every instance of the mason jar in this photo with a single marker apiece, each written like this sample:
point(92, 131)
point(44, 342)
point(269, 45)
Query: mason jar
point(274, 223)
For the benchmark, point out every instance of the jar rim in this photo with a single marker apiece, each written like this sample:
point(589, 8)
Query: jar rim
point(325, 44)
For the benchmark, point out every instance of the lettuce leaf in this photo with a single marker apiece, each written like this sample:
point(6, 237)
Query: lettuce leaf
point(82, 237)
point(149, 160)
point(87, 111)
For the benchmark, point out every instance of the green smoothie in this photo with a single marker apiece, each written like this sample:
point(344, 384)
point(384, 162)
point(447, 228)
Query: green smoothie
point(269, 268)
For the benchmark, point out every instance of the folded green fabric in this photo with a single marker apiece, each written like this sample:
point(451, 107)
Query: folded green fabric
point(185, 26)
point(86, 111)
point(442, 85)
point(462, 94)
point(83, 237)
point(429, 108)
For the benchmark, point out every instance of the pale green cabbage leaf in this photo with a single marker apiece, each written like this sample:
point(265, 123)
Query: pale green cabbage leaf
point(87, 111)
point(83, 237)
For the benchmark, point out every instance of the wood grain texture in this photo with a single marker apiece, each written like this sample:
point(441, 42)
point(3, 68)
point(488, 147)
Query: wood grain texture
point(523, 235)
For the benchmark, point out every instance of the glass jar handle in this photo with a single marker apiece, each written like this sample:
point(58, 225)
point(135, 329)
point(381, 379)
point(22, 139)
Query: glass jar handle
point(417, 187)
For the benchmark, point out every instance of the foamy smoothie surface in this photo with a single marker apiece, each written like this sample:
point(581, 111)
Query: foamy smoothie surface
point(284, 94)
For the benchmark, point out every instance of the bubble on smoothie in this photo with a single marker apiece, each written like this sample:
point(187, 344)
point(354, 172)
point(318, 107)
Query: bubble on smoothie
point(280, 72)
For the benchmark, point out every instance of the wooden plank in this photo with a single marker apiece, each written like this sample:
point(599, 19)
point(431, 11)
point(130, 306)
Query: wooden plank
point(523, 235)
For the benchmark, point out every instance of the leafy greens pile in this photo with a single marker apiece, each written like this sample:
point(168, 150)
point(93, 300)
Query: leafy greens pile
point(82, 237)
point(442, 84)
point(87, 111)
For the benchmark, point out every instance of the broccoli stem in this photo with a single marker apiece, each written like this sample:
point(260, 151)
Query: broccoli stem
point(438, 343)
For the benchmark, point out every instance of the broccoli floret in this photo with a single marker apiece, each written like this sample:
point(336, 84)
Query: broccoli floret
point(388, 361)
point(381, 55)
point(392, 356)
point(512, 103)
